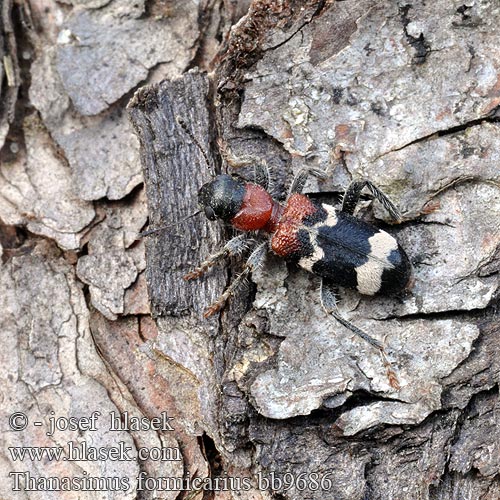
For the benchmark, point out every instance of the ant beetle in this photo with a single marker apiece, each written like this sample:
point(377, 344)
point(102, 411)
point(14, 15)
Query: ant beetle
point(331, 243)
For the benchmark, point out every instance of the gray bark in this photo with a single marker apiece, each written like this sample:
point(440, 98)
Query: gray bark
point(405, 94)
point(9, 70)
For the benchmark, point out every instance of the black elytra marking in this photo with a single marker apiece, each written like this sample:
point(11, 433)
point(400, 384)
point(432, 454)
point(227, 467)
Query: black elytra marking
point(351, 252)
point(395, 280)
point(346, 248)
point(303, 235)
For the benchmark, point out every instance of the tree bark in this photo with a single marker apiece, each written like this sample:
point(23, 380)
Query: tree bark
point(272, 396)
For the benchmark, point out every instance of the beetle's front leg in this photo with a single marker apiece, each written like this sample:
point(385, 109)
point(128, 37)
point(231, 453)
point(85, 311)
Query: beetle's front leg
point(353, 193)
point(329, 302)
point(234, 246)
point(299, 181)
point(262, 173)
point(255, 259)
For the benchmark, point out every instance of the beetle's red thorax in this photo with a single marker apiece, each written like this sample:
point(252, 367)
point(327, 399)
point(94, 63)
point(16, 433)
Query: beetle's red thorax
point(284, 241)
point(258, 210)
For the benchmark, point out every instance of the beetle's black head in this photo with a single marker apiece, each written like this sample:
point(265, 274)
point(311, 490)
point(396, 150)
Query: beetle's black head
point(222, 198)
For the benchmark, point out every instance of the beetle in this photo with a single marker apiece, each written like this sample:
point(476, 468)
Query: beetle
point(331, 243)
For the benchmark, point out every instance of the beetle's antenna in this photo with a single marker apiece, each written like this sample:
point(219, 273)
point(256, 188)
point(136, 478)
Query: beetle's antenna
point(142, 234)
point(184, 127)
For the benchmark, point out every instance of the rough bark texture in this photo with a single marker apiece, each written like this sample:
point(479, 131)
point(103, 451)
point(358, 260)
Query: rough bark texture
point(406, 94)
point(10, 79)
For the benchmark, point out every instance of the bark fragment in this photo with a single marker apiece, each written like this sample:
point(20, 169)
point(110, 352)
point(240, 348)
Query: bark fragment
point(36, 190)
point(10, 78)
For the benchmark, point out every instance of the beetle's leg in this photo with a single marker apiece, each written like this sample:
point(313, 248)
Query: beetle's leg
point(353, 193)
point(262, 174)
point(254, 261)
point(299, 181)
point(329, 303)
point(234, 246)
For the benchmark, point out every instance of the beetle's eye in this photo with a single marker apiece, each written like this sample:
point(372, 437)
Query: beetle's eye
point(210, 214)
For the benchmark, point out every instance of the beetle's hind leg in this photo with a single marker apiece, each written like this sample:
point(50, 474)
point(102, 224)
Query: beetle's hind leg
point(329, 302)
point(255, 259)
point(234, 246)
point(353, 193)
